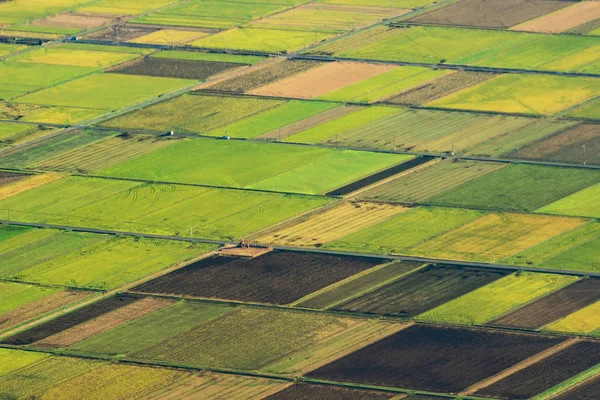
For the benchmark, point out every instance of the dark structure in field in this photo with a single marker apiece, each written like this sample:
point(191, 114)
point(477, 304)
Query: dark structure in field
point(588, 391)
point(174, 68)
point(554, 306)
point(71, 319)
point(379, 176)
point(547, 373)
point(278, 277)
point(10, 177)
point(490, 13)
point(312, 392)
point(435, 359)
point(422, 290)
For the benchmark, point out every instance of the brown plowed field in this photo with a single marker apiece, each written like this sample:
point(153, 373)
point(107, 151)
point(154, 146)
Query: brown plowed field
point(312, 392)
point(71, 319)
point(321, 80)
point(554, 306)
point(10, 177)
point(422, 290)
point(588, 391)
point(278, 277)
point(564, 19)
point(263, 76)
point(40, 307)
point(435, 358)
point(441, 87)
point(103, 323)
point(547, 373)
point(174, 68)
point(490, 13)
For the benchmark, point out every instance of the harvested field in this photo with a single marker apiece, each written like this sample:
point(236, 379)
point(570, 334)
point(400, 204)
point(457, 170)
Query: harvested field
point(441, 87)
point(305, 391)
point(419, 185)
point(564, 19)
point(584, 321)
point(490, 13)
point(69, 21)
point(103, 323)
point(62, 323)
point(421, 291)
point(7, 178)
point(264, 75)
point(587, 391)
point(120, 33)
point(332, 224)
point(172, 68)
point(554, 306)
point(379, 176)
point(434, 358)
point(278, 277)
point(583, 203)
point(547, 373)
point(321, 80)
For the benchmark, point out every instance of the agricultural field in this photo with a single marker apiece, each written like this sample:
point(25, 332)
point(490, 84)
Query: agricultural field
point(170, 37)
point(590, 110)
point(588, 390)
point(214, 57)
point(74, 56)
point(7, 178)
point(584, 321)
point(21, 11)
point(582, 203)
point(45, 114)
point(563, 19)
point(173, 68)
point(497, 298)
point(131, 7)
point(308, 391)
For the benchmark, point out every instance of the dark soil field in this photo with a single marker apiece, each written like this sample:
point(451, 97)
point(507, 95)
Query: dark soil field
point(120, 33)
point(435, 359)
point(546, 373)
point(566, 146)
point(10, 177)
point(490, 13)
point(175, 68)
point(422, 290)
point(278, 277)
point(588, 391)
point(71, 319)
point(554, 306)
point(441, 87)
point(379, 176)
point(322, 392)
point(259, 77)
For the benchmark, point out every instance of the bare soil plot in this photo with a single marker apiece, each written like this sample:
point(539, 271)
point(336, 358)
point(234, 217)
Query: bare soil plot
point(73, 21)
point(122, 33)
point(70, 320)
point(554, 306)
point(588, 391)
point(564, 19)
point(278, 277)
point(435, 358)
point(321, 80)
point(175, 68)
point(490, 13)
point(308, 392)
point(104, 323)
point(263, 76)
point(422, 290)
point(441, 87)
point(10, 177)
point(547, 373)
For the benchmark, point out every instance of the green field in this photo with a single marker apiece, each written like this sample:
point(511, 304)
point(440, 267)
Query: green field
point(13, 360)
point(165, 209)
point(590, 110)
point(9, 132)
point(14, 295)
point(581, 204)
point(525, 94)
point(381, 3)
point(76, 57)
point(7, 49)
point(216, 57)
point(105, 91)
point(405, 230)
point(584, 321)
point(519, 187)
point(131, 7)
point(23, 11)
point(497, 298)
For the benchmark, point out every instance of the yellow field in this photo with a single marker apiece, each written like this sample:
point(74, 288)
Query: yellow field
point(170, 37)
point(586, 320)
point(79, 57)
point(62, 115)
point(494, 237)
point(26, 184)
point(129, 7)
point(333, 224)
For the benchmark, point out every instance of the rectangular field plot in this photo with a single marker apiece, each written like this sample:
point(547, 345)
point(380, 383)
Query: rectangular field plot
point(583, 203)
point(435, 359)
point(214, 57)
point(584, 321)
point(13, 360)
point(21, 11)
point(494, 237)
point(526, 94)
point(399, 233)
point(172, 68)
point(265, 166)
point(170, 37)
point(76, 57)
point(589, 110)
point(547, 373)
point(308, 391)
point(494, 14)
point(46, 114)
point(424, 183)
point(562, 20)
point(331, 224)
point(497, 298)
point(106, 91)
point(114, 204)
point(554, 306)
point(588, 390)
point(278, 277)
point(131, 7)
point(518, 188)
point(421, 290)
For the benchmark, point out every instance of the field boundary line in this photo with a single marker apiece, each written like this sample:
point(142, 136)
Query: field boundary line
point(521, 366)
point(53, 285)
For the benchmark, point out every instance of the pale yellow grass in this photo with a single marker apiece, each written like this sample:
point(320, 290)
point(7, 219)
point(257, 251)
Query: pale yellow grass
point(586, 320)
point(27, 184)
point(563, 19)
point(333, 224)
point(170, 37)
